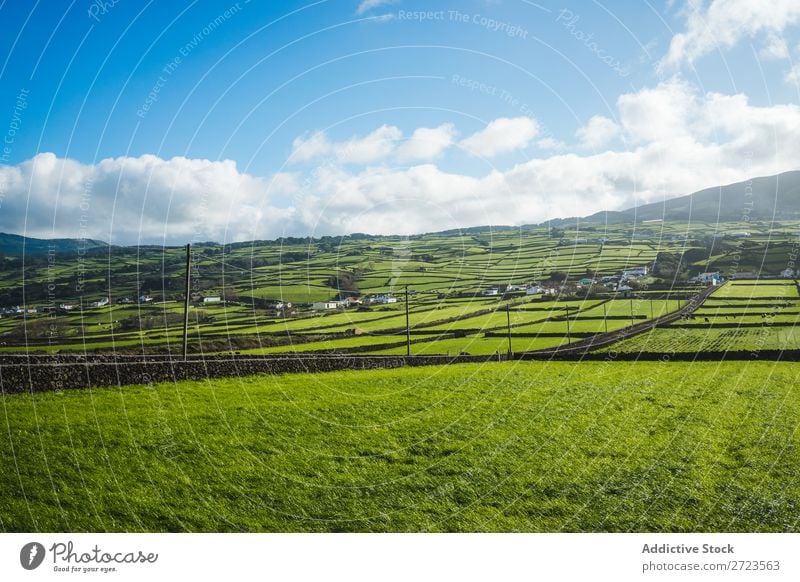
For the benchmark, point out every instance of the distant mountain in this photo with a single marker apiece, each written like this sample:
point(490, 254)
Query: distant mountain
point(775, 197)
point(14, 245)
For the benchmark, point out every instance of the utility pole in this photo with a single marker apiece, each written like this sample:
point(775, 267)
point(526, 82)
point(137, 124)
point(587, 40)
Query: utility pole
point(186, 302)
point(508, 323)
point(408, 328)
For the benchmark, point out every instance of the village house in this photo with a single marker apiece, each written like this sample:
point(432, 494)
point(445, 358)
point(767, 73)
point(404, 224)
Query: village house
point(212, 299)
point(490, 292)
point(383, 299)
point(100, 302)
point(324, 305)
point(710, 278)
point(635, 272)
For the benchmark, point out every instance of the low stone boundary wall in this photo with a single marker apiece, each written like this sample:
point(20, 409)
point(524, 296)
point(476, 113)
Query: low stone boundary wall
point(59, 373)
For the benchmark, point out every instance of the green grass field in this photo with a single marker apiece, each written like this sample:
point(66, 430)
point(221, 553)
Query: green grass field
point(740, 316)
point(496, 447)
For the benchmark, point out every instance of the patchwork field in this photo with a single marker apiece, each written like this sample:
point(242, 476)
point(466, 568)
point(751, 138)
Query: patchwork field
point(495, 447)
point(741, 316)
point(445, 272)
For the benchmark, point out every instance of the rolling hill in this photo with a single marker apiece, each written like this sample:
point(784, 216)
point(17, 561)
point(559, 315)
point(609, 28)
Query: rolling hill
point(764, 198)
point(17, 245)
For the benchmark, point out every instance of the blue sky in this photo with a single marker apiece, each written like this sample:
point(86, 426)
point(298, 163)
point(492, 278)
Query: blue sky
point(300, 118)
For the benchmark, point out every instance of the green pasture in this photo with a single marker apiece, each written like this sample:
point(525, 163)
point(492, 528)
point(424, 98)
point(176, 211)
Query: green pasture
point(528, 447)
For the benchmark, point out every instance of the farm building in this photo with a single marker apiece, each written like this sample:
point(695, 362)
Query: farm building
point(350, 302)
point(383, 299)
point(490, 292)
point(323, 305)
point(710, 278)
point(788, 273)
point(212, 299)
point(534, 290)
point(100, 303)
point(636, 272)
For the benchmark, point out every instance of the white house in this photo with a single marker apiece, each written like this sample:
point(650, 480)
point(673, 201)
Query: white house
point(101, 303)
point(212, 299)
point(383, 299)
point(323, 305)
point(635, 272)
point(145, 299)
point(491, 292)
point(709, 278)
point(534, 290)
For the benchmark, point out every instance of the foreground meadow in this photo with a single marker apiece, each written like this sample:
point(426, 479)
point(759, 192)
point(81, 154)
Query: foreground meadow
point(500, 447)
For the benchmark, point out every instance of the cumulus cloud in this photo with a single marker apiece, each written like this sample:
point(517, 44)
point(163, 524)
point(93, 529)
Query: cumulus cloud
point(373, 147)
point(427, 143)
point(723, 23)
point(775, 48)
point(130, 199)
point(658, 113)
point(598, 132)
point(501, 136)
point(680, 139)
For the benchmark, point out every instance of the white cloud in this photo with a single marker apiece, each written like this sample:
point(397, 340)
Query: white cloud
point(373, 147)
point(657, 113)
point(367, 5)
point(723, 23)
point(501, 136)
point(776, 48)
point(598, 132)
point(681, 140)
point(427, 143)
point(147, 198)
point(793, 74)
point(314, 146)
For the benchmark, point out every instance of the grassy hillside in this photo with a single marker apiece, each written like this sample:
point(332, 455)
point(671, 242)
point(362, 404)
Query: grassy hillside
point(444, 272)
point(16, 245)
point(499, 447)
